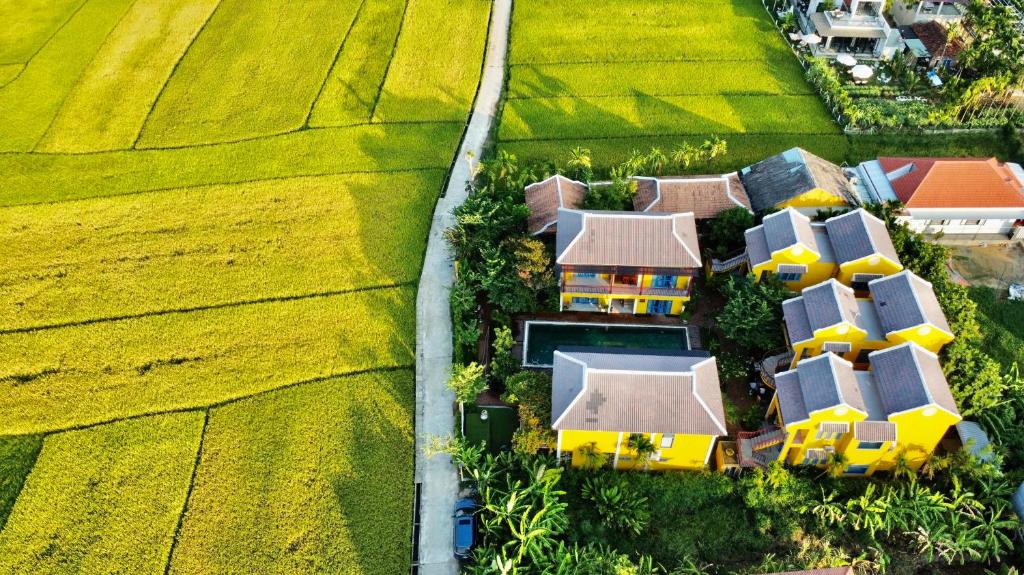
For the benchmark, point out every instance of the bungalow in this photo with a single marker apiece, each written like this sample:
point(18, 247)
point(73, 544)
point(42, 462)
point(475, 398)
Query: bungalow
point(704, 196)
point(797, 178)
point(626, 262)
point(909, 12)
point(965, 197)
point(599, 398)
point(546, 197)
point(829, 317)
point(854, 247)
point(901, 409)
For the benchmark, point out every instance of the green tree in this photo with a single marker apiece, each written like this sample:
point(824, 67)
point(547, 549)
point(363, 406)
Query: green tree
point(725, 232)
point(617, 502)
point(580, 167)
point(530, 391)
point(591, 456)
point(752, 315)
point(642, 447)
point(503, 363)
point(467, 381)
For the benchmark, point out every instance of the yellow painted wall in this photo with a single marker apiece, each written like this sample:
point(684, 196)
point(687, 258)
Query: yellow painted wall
point(854, 335)
point(793, 452)
point(687, 451)
point(919, 434)
point(812, 199)
point(604, 300)
point(880, 266)
point(926, 336)
point(817, 272)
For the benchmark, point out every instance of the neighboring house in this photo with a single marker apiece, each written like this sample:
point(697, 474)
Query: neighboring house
point(952, 196)
point(908, 13)
point(704, 196)
point(854, 247)
point(853, 26)
point(902, 408)
point(933, 38)
point(829, 317)
point(799, 179)
point(546, 197)
point(626, 262)
point(600, 397)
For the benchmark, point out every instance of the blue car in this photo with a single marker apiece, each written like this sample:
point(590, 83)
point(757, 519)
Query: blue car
point(465, 527)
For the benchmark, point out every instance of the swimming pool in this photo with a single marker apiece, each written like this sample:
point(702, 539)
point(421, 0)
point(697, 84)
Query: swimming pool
point(541, 338)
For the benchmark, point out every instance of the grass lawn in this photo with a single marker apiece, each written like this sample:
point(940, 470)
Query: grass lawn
point(218, 210)
point(1002, 323)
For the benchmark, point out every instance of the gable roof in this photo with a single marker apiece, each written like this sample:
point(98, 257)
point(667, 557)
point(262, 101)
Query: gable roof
point(904, 300)
point(636, 391)
point(858, 234)
point(705, 196)
point(784, 176)
point(545, 197)
point(628, 239)
point(953, 182)
point(933, 35)
point(909, 376)
point(821, 382)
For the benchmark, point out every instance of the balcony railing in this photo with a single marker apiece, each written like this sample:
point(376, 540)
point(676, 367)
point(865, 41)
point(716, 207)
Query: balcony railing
point(847, 20)
point(624, 289)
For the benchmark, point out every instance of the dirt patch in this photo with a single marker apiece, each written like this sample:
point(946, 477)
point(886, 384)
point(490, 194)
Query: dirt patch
point(992, 266)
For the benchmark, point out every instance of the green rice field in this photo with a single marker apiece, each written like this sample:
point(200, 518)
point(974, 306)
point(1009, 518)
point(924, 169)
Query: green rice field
point(213, 215)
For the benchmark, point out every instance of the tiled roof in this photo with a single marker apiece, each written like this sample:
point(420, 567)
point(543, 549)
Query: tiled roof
point(636, 392)
point(757, 246)
point(627, 239)
point(786, 228)
point(705, 196)
point(908, 377)
point(791, 398)
point(827, 571)
point(933, 35)
point(953, 182)
point(545, 197)
point(830, 303)
point(858, 234)
point(784, 176)
point(904, 300)
point(827, 381)
point(874, 431)
point(794, 313)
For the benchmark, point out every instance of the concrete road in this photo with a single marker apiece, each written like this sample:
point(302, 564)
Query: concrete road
point(434, 414)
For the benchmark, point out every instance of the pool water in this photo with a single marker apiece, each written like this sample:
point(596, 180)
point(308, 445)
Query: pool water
point(542, 338)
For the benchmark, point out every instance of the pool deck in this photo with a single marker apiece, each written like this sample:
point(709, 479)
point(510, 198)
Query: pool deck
point(519, 324)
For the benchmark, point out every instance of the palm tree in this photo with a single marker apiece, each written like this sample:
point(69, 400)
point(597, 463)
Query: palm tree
point(835, 464)
point(642, 448)
point(684, 155)
point(580, 165)
point(591, 457)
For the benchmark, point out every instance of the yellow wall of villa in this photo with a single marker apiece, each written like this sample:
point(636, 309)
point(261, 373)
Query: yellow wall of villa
point(925, 336)
point(817, 272)
point(870, 265)
point(813, 199)
point(643, 302)
point(844, 332)
point(686, 451)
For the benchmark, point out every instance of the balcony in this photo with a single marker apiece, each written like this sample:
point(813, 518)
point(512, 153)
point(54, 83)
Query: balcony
point(601, 286)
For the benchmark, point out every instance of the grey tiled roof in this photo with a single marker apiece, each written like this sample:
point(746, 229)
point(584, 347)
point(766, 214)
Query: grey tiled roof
point(784, 176)
point(634, 392)
point(827, 381)
point(905, 300)
point(908, 377)
point(786, 228)
point(975, 440)
point(757, 246)
point(791, 398)
point(830, 303)
point(858, 234)
point(795, 315)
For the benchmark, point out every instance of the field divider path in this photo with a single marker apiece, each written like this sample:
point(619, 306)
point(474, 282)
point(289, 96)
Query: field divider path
point(222, 305)
point(188, 494)
point(434, 415)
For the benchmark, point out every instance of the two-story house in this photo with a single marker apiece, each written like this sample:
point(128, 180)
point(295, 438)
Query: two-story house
point(626, 262)
point(854, 26)
point(826, 413)
point(854, 247)
point(830, 317)
point(600, 397)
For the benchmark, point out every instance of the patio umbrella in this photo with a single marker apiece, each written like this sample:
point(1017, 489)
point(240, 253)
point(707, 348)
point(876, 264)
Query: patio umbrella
point(812, 38)
point(846, 60)
point(861, 72)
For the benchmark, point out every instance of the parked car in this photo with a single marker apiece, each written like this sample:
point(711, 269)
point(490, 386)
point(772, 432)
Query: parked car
point(465, 527)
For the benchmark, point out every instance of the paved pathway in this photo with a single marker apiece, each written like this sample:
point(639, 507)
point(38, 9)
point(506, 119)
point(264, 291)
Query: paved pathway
point(433, 321)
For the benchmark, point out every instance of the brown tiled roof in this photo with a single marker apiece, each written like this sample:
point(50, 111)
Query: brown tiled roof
point(953, 182)
point(829, 571)
point(705, 196)
point(545, 197)
point(636, 392)
point(628, 239)
point(933, 35)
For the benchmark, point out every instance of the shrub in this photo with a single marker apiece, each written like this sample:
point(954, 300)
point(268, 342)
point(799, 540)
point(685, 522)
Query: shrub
point(467, 381)
point(752, 315)
point(732, 366)
point(503, 364)
point(725, 233)
point(530, 391)
point(617, 502)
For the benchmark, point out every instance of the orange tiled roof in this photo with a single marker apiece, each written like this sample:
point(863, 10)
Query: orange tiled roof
point(954, 183)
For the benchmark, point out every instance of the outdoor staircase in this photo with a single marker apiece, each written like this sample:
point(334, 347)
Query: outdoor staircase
point(772, 364)
point(722, 266)
point(760, 448)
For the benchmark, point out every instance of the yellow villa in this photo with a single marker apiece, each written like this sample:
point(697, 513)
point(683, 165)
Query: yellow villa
point(626, 262)
point(797, 179)
point(830, 317)
point(853, 247)
point(826, 413)
point(601, 397)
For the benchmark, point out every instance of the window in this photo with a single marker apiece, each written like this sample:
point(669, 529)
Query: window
point(857, 469)
point(790, 273)
point(814, 456)
point(585, 300)
point(937, 222)
point(860, 281)
point(837, 347)
point(862, 357)
point(663, 282)
point(585, 275)
point(870, 445)
point(972, 222)
point(667, 440)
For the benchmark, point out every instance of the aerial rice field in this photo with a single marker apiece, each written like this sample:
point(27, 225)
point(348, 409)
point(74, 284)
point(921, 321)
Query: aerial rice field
point(621, 76)
point(212, 220)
